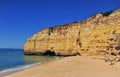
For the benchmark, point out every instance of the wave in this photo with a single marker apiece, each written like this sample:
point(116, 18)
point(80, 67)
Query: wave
point(17, 68)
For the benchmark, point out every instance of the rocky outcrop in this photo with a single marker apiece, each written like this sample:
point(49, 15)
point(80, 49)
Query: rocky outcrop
point(94, 36)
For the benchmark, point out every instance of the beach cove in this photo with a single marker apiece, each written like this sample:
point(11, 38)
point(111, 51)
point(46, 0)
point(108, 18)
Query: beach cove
point(76, 66)
point(59, 38)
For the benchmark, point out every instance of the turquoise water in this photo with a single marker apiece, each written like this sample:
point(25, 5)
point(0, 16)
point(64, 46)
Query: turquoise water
point(14, 59)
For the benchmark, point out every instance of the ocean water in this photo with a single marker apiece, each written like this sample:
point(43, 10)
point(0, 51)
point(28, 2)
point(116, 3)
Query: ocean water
point(14, 59)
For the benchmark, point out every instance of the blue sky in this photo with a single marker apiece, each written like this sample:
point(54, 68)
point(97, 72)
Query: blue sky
point(20, 19)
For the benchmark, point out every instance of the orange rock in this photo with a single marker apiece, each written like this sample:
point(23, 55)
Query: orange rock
point(87, 37)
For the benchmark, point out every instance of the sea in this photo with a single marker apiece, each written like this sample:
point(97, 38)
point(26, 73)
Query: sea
point(14, 59)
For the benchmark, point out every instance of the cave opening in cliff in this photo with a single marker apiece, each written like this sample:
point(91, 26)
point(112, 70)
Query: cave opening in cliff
point(49, 53)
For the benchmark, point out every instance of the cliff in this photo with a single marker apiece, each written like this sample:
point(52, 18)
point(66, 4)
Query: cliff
point(94, 36)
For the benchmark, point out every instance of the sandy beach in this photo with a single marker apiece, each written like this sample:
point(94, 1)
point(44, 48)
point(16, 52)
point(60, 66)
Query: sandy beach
point(77, 66)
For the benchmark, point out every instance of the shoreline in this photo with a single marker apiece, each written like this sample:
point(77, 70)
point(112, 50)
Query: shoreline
point(75, 66)
point(16, 70)
point(2, 74)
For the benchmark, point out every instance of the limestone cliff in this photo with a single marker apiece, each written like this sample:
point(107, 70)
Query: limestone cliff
point(96, 35)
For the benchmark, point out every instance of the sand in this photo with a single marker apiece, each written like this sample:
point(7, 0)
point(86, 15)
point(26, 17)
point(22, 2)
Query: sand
point(77, 66)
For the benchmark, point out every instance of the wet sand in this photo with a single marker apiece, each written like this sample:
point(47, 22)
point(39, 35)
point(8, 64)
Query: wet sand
point(77, 66)
point(8, 73)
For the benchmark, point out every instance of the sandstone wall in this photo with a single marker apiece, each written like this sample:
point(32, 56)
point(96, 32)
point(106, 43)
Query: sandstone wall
point(90, 37)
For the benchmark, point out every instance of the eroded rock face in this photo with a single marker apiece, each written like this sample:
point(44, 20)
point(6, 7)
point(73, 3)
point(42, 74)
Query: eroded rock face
point(93, 36)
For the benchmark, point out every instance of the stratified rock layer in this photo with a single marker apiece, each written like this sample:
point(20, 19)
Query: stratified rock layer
point(96, 35)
